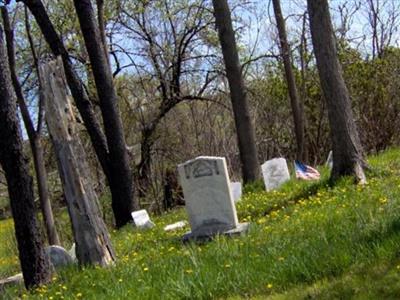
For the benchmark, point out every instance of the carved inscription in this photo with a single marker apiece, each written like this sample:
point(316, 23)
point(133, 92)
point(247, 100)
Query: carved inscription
point(201, 168)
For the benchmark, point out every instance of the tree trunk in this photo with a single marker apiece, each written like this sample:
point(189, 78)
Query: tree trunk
point(76, 86)
point(244, 127)
point(34, 263)
point(346, 145)
point(102, 28)
point(113, 162)
point(34, 137)
point(297, 112)
point(93, 245)
point(120, 171)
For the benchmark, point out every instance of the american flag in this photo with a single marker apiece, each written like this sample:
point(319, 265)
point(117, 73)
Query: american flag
point(305, 172)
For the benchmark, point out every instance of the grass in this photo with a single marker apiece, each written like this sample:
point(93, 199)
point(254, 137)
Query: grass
point(306, 241)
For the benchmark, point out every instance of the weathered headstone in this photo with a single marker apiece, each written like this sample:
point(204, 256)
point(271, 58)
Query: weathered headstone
point(72, 252)
point(329, 160)
point(209, 202)
point(13, 280)
point(93, 245)
point(236, 189)
point(275, 173)
point(141, 219)
point(59, 257)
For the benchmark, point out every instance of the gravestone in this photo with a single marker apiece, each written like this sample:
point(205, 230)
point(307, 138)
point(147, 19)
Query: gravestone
point(175, 226)
point(59, 257)
point(72, 252)
point(13, 280)
point(236, 190)
point(141, 219)
point(329, 160)
point(275, 173)
point(209, 202)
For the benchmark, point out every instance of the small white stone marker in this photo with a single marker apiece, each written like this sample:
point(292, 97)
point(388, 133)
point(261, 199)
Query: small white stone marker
point(329, 160)
point(141, 219)
point(236, 189)
point(208, 199)
point(177, 225)
point(275, 173)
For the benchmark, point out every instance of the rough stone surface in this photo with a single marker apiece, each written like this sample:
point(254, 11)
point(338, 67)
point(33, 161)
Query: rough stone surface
point(209, 203)
point(236, 190)
point(275, 173)
point(141, 219)
point(59, 257)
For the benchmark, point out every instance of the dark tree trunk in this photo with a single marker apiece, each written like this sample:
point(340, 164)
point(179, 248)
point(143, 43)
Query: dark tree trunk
point(346, 145)
point(102, 28)
point(34, 263)
point(297, 112)
point(34, 137)
point(120, 171)
point(244, 126)
point(113, 161)
point(144, 166)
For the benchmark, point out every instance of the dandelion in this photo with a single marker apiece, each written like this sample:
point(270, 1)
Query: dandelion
point(189, 271)
point(145, 269)
point(79, 295)
point(269, 286)
point(281, 258)
point(227, 266)
point(383, 200)
point(120, 280)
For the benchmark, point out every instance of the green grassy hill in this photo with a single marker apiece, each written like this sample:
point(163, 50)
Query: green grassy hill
point(306, 241)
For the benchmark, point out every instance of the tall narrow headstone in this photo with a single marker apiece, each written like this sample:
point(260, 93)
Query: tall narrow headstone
point(275, 173)
point(209, 202)
point(93, 245)
point(329, 160)
point(236, 190)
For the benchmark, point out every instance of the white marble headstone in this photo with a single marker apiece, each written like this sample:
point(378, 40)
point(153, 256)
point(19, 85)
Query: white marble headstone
point(209, 203)
point(275, 173)
point(141, 219)
point(236, 190)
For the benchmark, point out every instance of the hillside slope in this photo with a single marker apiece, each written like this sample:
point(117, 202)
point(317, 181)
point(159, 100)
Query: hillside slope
point(307, 240)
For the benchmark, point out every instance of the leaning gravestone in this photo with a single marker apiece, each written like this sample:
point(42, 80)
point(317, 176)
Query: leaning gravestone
point(209, 202)
point(236, 189)
point(275, 173)
point(59, 257)
point(141, 219)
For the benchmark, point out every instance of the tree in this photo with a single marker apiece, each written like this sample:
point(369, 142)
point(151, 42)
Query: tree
point(346, 145)
point(34, 135)
point(110, 155)
point(93, 245)
point(120, 171)
point(34, 263)
point(297, 111)
point(177, 67)
point(244, 126)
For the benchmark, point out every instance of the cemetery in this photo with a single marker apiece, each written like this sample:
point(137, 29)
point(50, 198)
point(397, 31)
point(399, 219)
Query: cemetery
point(199, 149)
point(305, 239)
